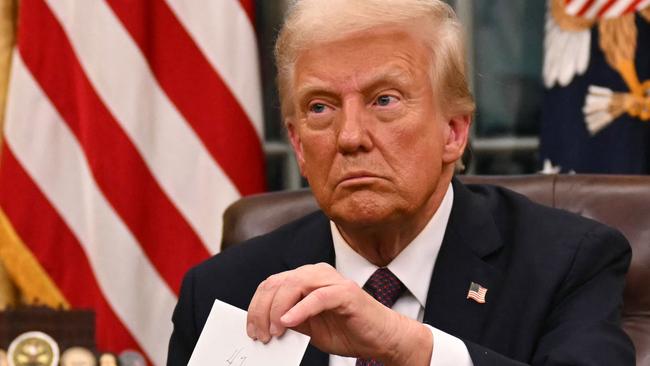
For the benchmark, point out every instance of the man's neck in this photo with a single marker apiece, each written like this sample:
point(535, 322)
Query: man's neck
point(381, 243)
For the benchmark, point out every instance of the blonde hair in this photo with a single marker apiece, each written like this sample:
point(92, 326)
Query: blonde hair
point(315, 21)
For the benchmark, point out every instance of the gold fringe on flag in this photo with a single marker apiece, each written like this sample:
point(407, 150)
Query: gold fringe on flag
point(35, 284)
point(17, 261)
point(8, 8)
point(8, 292)
point(8, 11)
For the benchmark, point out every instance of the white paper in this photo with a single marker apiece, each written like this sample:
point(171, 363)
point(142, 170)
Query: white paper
point(223, 342)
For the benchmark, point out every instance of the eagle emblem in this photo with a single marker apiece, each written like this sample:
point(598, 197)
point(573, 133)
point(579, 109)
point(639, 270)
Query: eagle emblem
point(567, 46)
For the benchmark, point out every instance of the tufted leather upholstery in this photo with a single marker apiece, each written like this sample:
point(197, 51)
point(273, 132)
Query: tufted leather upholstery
point(619, 201)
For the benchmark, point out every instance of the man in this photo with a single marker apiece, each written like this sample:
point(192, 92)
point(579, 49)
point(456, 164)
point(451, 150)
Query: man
point(377, 107)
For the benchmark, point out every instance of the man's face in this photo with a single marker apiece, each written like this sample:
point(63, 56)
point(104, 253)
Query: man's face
point(367, 131)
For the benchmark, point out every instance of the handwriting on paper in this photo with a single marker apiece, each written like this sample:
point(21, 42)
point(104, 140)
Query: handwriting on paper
point(237, 358)
point(224, 342)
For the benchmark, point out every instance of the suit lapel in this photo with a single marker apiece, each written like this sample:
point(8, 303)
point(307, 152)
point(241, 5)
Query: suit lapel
point(471, 235)
point(312, 244)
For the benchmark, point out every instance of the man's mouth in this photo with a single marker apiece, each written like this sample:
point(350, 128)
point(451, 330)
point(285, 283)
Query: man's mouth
point(358, 177)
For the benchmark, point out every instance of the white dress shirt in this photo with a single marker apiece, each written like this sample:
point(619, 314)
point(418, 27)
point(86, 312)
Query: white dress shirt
point(413, 266)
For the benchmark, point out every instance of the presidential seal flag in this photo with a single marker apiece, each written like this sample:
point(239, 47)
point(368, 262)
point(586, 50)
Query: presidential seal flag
point(130, 126)
point(596, 113)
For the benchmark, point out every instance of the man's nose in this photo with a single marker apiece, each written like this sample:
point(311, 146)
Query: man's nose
point(353, 134)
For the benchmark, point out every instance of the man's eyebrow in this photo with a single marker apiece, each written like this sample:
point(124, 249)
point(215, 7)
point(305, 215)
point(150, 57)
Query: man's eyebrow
point(313, 87)
point(397, 75)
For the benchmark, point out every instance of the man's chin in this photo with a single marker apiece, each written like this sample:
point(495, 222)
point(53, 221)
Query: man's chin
point(363, 209)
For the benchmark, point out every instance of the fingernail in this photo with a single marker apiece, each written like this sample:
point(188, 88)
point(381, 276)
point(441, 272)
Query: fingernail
point(274, 329)
point(251, 331)
point(286, 318)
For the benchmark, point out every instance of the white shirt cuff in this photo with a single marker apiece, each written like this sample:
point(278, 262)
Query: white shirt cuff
point(448, 350)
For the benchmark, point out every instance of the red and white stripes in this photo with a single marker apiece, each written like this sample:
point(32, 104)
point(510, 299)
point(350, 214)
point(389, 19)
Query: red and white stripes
point(591, 9)
point(130, 127)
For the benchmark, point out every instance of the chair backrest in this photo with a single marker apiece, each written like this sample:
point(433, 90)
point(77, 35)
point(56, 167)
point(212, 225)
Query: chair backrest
point(622, 202)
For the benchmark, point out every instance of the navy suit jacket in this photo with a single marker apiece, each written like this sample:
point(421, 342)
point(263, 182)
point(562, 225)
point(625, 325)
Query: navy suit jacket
point(554, 281)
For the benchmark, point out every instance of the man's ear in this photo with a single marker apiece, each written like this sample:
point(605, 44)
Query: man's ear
point(296, 144)
point(456, 137)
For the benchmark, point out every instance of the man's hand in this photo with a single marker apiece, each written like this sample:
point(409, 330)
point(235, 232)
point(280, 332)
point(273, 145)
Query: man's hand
point(338, 315)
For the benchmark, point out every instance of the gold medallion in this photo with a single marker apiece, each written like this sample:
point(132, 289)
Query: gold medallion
point(33, 349)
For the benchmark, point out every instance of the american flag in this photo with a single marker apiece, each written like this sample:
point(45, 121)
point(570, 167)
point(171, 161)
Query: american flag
point(591, 9)
point(130, 126)
point(477, 293)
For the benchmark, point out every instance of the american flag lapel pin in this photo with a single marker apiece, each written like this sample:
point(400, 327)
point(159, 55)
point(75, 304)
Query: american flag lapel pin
point(477, 293)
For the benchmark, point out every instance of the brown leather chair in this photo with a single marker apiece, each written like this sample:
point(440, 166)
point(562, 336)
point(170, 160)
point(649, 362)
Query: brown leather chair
point(619, 201)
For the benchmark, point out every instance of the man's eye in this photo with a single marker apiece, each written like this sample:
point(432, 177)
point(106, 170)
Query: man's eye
point(317, 108)
point(385, 100)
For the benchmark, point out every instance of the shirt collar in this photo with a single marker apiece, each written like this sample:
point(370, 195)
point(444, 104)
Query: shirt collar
point(418, 258)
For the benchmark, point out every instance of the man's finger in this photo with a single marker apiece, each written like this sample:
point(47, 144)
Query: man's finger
point(280, 292)
point(257, 324)
point(295, 285)
point(286, 296)
point(318, 301)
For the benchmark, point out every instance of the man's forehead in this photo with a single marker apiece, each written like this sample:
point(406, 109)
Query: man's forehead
point(378, 36)
point(315, 80)
point(363, 58)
